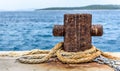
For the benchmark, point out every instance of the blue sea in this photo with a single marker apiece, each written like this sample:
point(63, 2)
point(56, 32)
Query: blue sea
point(27, 30)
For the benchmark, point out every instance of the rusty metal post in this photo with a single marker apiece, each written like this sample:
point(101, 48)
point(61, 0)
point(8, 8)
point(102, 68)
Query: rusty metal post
point(77, 31)
point(58, 30)
point(96, 30)
point(83, 24)
point(70, 38)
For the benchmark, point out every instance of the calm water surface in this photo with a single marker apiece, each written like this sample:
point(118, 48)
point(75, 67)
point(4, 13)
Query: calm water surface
point(33, 29)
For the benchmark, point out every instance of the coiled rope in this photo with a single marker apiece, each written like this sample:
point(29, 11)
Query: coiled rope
point(40, 56)
point(37, 56)
point(65, 57)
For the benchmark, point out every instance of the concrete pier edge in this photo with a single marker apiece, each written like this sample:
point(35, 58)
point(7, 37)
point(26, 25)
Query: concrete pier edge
point(10, 64)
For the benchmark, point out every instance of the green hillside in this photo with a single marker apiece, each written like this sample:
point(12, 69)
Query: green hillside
point(89, 7)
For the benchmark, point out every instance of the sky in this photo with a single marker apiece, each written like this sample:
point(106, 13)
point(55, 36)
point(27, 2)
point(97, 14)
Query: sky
point(37, 4)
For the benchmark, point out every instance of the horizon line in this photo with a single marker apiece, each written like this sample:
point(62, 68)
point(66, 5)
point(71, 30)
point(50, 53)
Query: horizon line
point(33, 9)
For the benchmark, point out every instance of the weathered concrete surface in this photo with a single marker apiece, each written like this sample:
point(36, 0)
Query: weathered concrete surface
point(10, 64)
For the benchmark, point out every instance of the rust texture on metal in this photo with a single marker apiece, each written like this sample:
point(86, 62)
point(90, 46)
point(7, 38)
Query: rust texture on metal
point(77, 31)
point(58, 30)
point(96, 30)
point(70, 38)
point(83, 24)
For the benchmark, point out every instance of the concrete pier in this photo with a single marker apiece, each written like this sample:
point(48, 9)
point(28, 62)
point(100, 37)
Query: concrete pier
point(10, 64)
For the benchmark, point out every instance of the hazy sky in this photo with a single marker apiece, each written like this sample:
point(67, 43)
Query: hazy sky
point(36, 4)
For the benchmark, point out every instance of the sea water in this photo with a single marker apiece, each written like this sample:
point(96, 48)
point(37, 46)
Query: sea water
point(27, 30)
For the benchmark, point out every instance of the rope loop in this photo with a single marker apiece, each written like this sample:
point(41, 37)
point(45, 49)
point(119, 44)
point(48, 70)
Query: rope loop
point(37, 56)
point(41, 56)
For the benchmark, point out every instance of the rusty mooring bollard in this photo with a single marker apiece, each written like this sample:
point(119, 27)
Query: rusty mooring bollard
point(77, 32)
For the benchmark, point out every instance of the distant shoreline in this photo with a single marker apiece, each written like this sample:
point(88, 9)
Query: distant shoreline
point(89, 7)
point(66, 10)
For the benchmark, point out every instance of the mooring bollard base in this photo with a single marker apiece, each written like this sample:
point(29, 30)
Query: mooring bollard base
point(10, 64)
